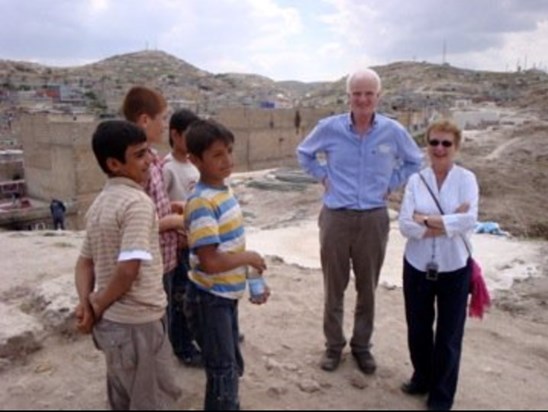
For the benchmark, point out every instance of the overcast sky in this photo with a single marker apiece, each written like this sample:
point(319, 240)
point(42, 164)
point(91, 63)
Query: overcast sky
point(306, 40)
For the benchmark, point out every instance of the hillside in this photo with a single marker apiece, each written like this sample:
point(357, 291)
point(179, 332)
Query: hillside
point(109, 79)
point(406, 85)
point(414, 86)
point(510, 159)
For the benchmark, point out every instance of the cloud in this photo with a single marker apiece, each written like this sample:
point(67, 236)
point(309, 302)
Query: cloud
point(395, 30)
point(281, 39)
point(252, 31)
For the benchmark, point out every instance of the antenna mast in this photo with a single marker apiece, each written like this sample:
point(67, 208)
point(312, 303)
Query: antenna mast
point(443, 61)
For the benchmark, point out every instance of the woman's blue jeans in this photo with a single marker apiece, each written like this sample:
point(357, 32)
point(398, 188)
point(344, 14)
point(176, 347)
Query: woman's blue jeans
point(214, 323)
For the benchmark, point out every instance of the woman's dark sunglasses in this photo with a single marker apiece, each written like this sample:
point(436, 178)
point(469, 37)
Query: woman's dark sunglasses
point(436, 142)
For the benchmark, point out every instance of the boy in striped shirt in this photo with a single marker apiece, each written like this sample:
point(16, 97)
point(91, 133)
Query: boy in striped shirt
point(118, 275)
point(218, 260)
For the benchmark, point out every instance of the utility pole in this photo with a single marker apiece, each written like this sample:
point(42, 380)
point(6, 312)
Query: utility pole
point(444, 51)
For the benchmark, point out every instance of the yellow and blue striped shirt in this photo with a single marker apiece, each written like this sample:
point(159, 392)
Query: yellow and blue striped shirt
point(213, 217)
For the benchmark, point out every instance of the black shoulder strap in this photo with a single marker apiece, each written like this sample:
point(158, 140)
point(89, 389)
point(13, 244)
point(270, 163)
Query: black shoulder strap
point(431, 193)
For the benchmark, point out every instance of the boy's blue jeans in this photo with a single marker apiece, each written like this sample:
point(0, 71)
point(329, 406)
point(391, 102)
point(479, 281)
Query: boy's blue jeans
point(214, 322)
point(175, 283)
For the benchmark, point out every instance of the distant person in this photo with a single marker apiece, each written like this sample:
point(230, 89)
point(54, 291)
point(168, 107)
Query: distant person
point(297, 121)
point(58, 209)
point(436, 271)
point(180, 177)
point(367, 155)
point(118, 276)
point(219, 260)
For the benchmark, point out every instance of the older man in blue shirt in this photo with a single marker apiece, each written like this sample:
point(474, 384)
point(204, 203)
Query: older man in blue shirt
point(363, 155)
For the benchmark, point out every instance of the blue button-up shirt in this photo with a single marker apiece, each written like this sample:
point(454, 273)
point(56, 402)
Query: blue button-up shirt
point(359, 170)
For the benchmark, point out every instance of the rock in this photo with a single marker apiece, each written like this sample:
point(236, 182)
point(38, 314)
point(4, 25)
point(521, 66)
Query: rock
point(294, 176)
point(4, 364)
point(309, 386)
point(20, 334)
point(276, 391)
point(55, 300)
point(358, 380)
point(272, 364)
point(276, 185)
point(43, 367)
point(292, 367)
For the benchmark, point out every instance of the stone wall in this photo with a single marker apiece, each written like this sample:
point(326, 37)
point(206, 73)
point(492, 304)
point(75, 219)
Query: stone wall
point(473, 119)
point(59, 161)
point(267, 137)
point(11, 165)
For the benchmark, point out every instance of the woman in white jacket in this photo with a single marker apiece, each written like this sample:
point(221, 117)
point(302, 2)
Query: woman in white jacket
point(438, 212)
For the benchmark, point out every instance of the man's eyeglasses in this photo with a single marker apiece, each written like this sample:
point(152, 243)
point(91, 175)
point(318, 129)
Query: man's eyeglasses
point(436, 142)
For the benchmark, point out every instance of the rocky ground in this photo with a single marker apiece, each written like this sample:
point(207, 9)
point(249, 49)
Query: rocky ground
point(45, 365)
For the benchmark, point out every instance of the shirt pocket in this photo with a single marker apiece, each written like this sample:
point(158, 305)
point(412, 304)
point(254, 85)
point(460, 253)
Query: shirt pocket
point(383, 159)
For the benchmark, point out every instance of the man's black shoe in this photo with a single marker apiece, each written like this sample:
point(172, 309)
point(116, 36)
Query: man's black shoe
point(366, 362)
point(330, 360)
point(413, 388)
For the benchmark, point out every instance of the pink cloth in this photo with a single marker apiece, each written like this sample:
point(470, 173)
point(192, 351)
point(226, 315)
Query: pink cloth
point(480, 300)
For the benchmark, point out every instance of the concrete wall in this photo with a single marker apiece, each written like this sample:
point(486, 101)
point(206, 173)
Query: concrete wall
point(59, 162)
point(11, 165)
point(267, 137)
point(474, 119)
point(55, 149)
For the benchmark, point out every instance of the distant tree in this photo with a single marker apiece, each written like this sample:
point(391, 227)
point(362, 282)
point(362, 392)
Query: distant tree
point(8, 85)
point(90, 95)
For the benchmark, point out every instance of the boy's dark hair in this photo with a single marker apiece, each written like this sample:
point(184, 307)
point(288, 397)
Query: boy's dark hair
point(142, 100)
point(112, 138)
point(203, 133)
point(180, 121)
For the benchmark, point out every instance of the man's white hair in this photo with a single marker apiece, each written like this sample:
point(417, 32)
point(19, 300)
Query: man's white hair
point(363, 73)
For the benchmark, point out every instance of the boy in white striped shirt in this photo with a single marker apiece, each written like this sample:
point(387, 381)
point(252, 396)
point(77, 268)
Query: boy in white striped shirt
point(118, 275)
